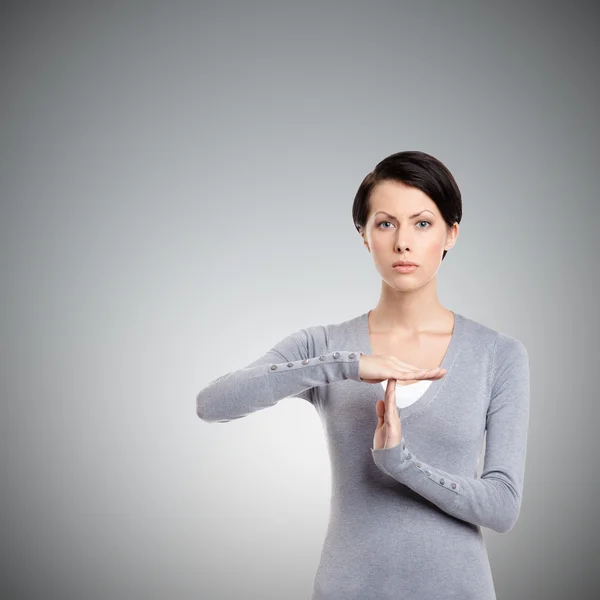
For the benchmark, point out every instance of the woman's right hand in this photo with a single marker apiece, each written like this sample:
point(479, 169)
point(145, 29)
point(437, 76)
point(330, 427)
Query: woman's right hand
point(375, 368)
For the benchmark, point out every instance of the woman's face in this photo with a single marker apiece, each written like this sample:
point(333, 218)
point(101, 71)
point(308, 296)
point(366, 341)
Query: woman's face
point(406, 224)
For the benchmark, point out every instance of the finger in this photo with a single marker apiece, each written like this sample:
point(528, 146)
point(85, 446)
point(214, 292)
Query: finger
point(390, 394)
point(435, 373)
point(391, 411)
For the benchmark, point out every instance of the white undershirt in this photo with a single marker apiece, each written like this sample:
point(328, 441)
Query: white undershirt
point(407, 394)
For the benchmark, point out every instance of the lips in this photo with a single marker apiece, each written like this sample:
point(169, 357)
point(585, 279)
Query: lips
point(404, 263)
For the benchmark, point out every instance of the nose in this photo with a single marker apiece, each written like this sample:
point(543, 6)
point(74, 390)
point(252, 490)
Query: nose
point(403, 239)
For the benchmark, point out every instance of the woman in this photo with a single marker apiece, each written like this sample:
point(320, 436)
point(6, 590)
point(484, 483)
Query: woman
point(407, 506)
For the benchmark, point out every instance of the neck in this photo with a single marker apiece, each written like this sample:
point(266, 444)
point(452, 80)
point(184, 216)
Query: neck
point(409, 312)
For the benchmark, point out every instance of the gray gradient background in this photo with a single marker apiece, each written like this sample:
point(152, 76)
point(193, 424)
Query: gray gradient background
point(176, 185)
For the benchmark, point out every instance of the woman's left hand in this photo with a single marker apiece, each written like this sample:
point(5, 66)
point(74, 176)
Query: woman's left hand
point(389, 429)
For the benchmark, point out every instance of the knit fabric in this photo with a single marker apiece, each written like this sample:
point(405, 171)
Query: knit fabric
point(405, 522)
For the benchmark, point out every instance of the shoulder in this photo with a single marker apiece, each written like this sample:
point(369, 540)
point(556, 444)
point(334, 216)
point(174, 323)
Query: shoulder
point(509, 358)
point(506, 355)
point(500, 342)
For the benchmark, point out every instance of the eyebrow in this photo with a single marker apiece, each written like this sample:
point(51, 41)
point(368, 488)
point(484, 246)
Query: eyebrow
point(411, 216)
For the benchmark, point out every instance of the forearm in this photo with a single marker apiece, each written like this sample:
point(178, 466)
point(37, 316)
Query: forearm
point(239, 393)
point(492, 501)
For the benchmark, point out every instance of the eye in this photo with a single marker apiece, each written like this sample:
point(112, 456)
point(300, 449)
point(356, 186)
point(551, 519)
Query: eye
point(419, 222)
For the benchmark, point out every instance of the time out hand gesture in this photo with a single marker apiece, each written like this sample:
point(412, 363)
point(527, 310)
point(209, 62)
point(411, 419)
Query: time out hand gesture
point(388, 432)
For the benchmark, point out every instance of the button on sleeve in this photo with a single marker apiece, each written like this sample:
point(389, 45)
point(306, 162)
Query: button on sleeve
point(295, 366)
point(494, 499)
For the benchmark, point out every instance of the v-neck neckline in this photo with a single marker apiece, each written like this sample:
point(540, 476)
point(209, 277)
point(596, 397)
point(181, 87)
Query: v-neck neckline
point(364, 343)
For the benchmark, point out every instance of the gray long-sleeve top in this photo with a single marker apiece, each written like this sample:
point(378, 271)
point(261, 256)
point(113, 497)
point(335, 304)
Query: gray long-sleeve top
point(405, 522)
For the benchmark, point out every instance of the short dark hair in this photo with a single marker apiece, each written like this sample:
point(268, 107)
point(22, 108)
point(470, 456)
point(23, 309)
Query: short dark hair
point(417, 169)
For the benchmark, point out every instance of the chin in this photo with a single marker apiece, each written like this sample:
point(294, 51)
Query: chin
point(403, 284)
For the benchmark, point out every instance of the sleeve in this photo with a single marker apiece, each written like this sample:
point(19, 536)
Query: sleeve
point(494, 499)
point(295, 365)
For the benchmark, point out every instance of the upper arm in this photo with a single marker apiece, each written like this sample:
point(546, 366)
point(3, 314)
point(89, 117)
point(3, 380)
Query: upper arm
point(507, 419)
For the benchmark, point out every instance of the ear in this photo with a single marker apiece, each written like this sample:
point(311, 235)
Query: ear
point(365, 243)
point(451, 236)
